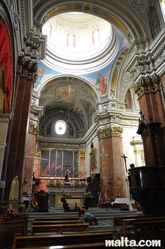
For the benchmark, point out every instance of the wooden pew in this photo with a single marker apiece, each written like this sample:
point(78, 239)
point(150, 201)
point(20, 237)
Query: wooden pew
point(148, 229)
point(60, 239)
point(51, 222)
point(57, 218)
point(162, 234)
point(60, 228)
point(127, 224)
point(99, 245)
point(118, 222)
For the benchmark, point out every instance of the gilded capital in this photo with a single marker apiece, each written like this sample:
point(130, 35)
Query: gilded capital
point(109, 131)
point(27, 68)
point(137, 151)
point(147, 85)
point(82, 153)
point(136, 142)
point(33, 129)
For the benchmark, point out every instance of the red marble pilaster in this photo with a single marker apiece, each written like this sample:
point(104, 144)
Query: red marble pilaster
point(112, 170)
point(29, 162)
point(26, 74)
point(151, 125)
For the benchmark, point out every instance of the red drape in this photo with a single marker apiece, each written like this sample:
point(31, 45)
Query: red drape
point(5, 61)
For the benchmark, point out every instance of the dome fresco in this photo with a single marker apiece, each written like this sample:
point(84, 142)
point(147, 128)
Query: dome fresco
point(75, 41)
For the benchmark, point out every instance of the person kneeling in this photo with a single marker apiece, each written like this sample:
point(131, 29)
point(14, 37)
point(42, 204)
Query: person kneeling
point(88, 217)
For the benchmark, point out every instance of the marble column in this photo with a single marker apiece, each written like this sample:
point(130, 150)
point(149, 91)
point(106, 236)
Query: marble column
point(112, 169)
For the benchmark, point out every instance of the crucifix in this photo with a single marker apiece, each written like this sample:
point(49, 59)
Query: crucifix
point(125, 161)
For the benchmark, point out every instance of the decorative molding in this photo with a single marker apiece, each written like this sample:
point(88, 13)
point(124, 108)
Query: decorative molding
point(60, 146)
point(147, 85)
point(92, 9)
point(145, 63)
point(31, 33)
point(87, 8)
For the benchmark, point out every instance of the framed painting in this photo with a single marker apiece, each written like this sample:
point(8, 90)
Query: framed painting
point(58, 162)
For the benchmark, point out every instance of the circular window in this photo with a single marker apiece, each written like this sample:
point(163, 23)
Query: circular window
point(60, 127)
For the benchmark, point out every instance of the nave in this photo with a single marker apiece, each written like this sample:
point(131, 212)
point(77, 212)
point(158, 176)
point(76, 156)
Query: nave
point(104, 216)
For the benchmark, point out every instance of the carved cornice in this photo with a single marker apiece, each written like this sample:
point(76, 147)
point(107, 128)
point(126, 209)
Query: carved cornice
point(109, 131)
point(27, 68)
point(34, 43)
point(147, 85)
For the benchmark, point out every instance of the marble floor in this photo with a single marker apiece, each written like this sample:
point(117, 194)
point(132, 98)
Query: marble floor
point(104, 217)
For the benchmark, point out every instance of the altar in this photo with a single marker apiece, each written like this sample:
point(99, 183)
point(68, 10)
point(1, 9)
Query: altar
point(123, 201)
point(55, 193)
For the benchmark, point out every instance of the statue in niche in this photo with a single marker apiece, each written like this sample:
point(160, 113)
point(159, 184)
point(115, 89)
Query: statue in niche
point(67, 174)
point(92, 157)
point(14, 190)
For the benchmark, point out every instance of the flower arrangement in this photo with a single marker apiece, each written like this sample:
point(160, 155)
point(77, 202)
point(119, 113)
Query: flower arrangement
point(34, 204)
point(82, 183)
point(51, 182)
point(12, 212)
point(89, 193)
point(58, 182)
point(77, 183)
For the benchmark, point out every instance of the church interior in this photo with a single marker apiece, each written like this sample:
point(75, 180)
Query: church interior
point(82, 98)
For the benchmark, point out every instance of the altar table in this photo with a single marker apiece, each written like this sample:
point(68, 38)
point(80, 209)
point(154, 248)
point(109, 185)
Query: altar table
point(124, 201)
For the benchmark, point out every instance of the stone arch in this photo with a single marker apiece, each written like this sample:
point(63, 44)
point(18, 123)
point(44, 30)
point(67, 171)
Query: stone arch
point(123, 16)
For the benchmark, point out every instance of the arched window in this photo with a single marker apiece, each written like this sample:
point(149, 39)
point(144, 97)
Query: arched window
point(95, 36)
point(47, 29)
point(71, 40)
